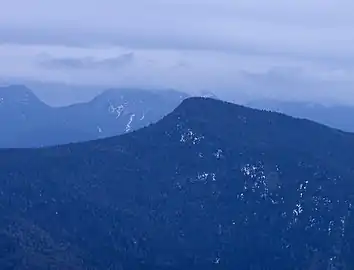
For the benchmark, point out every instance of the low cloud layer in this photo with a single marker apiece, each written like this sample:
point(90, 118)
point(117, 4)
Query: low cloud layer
point(285, 48)
point(86, 63)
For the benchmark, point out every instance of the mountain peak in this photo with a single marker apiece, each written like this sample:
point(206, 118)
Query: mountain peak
point(17, 94)
point(203, 100)
point(138, 101)
point(208, 106)
point(250, 126)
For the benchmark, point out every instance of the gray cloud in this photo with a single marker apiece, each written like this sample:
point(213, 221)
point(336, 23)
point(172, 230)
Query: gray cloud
point(292, 84)
point(87, 62)
point(236, 36)
point(302, 46)
point(303, 28)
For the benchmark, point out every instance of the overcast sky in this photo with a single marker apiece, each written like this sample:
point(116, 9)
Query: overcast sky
point(291, 49)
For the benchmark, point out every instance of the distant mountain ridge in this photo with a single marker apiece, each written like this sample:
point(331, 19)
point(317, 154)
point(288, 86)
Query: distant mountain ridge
point(335, 116)
point(28, 122)
point(212, 185)
point(17, 94)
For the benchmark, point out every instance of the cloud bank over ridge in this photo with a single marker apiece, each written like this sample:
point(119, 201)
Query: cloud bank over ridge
point(258, 48)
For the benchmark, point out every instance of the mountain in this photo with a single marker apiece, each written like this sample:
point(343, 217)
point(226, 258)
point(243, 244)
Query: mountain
point(212, 185)
point(116, 112)
point(29, 122)
point(338, 116)
point(20, 111)
point(57, 94)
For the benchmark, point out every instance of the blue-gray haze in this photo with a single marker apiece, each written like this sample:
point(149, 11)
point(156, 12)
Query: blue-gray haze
point(284, 49)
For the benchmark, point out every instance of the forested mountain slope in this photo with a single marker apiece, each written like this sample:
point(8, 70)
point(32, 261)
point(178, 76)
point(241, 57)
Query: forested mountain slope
point(211, 186)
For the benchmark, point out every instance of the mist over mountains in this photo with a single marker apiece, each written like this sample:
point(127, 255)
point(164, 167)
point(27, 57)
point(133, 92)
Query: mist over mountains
point(336, 116)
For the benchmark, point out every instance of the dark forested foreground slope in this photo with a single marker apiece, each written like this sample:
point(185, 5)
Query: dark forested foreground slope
point(28, 122)
point(211, 186)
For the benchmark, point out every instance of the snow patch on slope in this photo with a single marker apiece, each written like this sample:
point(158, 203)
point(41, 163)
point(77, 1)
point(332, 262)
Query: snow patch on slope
point(190, 136)
point(117, 110)
point(128, 126)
